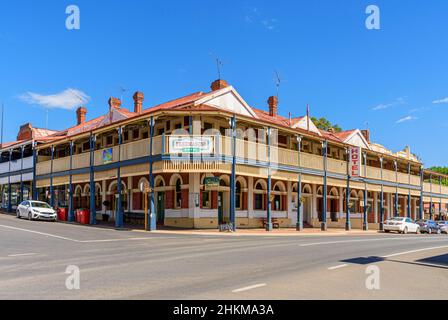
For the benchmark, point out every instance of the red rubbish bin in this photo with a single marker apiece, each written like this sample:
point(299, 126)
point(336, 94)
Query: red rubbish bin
point(62, 214)
point(78, 216)
point(85, 216)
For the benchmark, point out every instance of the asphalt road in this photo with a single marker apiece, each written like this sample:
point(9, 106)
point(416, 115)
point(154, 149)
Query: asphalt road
point(114, 264)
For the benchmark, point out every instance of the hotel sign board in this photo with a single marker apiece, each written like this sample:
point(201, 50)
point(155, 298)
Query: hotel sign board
point(211, 182)
point(355, 164)
point(191, 144)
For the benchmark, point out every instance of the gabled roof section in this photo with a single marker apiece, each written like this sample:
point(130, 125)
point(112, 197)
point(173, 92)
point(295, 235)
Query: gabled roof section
point(302, 123)
point(353, 137)
point(227, 99)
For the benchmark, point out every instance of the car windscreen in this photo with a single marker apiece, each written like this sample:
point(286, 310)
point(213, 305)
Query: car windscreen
point(40, 205)
point(397, 219)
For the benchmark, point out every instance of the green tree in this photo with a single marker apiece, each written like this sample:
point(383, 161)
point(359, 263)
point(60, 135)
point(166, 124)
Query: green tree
point(325, 124)
point(443, 170)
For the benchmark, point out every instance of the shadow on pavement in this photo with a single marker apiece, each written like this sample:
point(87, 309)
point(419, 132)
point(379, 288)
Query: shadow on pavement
point(440, 261)
point(363, 260)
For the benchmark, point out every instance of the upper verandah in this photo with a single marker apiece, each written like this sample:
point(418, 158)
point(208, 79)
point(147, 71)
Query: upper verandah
point(225, 100)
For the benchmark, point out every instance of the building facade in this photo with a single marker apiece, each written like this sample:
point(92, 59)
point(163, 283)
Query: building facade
point(210, 158)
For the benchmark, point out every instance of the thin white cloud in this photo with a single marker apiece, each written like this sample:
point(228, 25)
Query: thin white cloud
point(382, 106)
point(405, 119)
point(68, 99)
point(444, 100)
point(253, 15)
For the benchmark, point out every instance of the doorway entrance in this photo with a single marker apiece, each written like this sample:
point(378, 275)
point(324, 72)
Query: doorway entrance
point(160, 208)
point(220, 208)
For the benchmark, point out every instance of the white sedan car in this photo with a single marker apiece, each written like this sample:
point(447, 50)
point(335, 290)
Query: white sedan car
point(36, 210)
point(401, 225)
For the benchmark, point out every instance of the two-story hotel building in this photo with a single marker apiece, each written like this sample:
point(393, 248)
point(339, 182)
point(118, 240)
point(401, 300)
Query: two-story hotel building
point(210, 158)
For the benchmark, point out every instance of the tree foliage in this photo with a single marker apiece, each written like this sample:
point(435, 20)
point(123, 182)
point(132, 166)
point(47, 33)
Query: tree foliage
point(443, 170)
point(325, 124)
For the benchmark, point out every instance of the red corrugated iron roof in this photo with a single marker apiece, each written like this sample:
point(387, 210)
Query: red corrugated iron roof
point(177, 102)
point(344, 134)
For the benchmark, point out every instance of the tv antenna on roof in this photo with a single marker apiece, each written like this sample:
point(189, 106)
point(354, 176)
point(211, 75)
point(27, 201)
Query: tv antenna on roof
point(122, 91)
point(278, 82)
point(219, 65)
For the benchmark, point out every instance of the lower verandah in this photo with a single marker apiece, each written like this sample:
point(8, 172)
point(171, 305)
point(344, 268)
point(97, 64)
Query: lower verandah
point(182, 200)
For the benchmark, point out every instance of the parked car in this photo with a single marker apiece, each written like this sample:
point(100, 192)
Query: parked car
point(428, 226)
point(36, 210)
point(443, 226)
point(401, 225)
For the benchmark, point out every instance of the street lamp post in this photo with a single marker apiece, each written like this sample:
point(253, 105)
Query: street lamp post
point(365, 225)
point(324, 195)
point(299, 226)
point(381, 227)
point(268, 209)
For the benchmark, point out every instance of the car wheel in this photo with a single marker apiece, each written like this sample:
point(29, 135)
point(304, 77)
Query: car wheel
point(405, 230)
point(387, 231)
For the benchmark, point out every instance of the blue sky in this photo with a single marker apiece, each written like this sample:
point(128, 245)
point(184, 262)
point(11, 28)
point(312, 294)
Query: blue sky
point(388, 78)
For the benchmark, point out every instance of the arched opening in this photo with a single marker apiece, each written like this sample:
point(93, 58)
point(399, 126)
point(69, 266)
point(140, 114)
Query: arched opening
point(279, 203)
point(207, 195)
point(260, 202)
point(178, 194)
point(77, 197)
point(159, 184)
point(320, 203)
point(98, 197)
point(112, 197)
point(333, 201)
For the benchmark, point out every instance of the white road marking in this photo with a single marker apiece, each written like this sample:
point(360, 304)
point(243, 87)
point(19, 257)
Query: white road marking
point(364, 240)
point(37, 232)
point(413, 251)
point(79, 241)
point(21, 255)
point(338, 267)
point(118, 240)
point(255, 286)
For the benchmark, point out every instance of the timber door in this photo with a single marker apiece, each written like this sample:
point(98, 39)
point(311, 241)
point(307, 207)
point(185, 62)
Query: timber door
point(220, 208)
point(161, 208)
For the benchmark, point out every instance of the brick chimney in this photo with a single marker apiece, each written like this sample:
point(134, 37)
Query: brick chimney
point(273, 106)
point(219, 84)
point(114, 103)
point(366, 134)
point(138, 102)
point(25, 132)
point(81, 115)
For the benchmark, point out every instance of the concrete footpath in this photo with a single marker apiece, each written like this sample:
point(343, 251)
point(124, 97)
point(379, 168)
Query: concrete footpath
point(283, 232)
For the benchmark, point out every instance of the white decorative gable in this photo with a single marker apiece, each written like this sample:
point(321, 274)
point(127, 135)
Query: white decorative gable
point(303, 124)
point(357, 139)
point(227, 99)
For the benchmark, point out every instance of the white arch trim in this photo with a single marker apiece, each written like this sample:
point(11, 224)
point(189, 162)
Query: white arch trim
point(114, 184)
point(264, 184)
point(280, 185)
point(174, 178)
point(78, 190)
point(157, 179)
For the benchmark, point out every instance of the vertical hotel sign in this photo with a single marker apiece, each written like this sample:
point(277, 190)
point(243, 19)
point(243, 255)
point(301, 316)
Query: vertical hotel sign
point(355, 164)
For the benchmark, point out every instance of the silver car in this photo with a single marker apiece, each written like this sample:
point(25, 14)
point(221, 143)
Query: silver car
point(36, 210)
point(443, 226)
